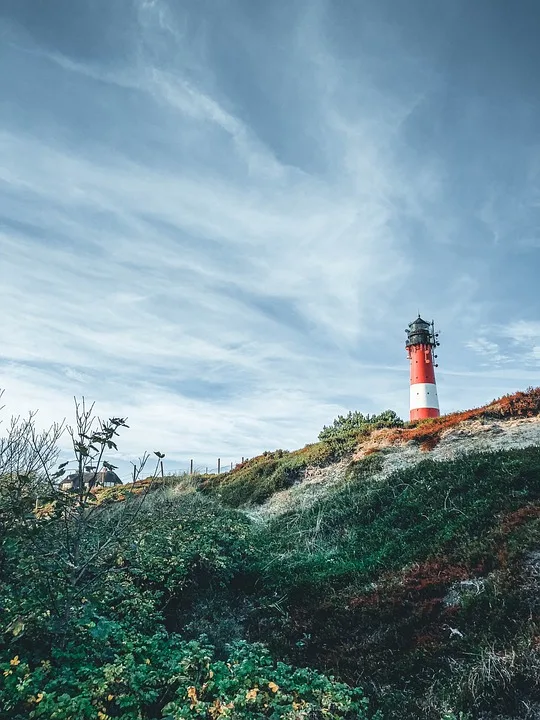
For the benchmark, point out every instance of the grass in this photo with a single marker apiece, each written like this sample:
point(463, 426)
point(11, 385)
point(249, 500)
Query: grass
point(255, 480)
point(418, 511)
point(362, 577)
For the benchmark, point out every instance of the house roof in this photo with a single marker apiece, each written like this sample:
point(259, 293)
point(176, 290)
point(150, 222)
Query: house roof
point(100, 478)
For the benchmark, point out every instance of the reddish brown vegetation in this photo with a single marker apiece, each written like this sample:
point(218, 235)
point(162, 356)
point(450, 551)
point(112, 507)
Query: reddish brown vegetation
point(519, 517)
point(433, 574)
point(428, 432)
point(430, 443)
point(521, 404)
point(426, 582)
point(405, 616)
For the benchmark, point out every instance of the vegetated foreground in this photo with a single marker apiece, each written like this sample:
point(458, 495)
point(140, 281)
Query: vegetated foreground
point(412, 572)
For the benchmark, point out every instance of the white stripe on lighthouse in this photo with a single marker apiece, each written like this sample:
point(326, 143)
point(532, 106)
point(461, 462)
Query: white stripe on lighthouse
point(424, 395)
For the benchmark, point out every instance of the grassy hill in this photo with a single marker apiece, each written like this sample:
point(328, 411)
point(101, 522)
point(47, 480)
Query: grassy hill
point(398, 576)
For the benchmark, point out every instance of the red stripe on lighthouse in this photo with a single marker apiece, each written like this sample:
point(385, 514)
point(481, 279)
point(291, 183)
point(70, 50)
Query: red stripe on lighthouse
point(424, 413)
point(422, 370)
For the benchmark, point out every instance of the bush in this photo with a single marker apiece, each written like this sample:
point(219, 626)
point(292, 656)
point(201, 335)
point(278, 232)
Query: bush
point(355, 423)
point(107, 671)
point(116, 655)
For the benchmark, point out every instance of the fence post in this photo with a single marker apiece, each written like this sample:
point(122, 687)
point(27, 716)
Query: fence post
point(191, 468)
point(219, 465)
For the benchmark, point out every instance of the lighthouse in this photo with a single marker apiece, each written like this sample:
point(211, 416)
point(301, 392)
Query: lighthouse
point(421, 341)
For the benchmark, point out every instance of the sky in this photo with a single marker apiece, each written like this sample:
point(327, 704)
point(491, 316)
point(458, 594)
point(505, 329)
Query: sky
point(217, 217)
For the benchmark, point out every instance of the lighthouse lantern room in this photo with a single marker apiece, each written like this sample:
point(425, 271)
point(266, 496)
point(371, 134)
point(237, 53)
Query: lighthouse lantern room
point(421, 342)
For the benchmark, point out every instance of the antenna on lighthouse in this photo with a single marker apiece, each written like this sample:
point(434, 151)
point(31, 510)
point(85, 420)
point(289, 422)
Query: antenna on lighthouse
point(421, 341)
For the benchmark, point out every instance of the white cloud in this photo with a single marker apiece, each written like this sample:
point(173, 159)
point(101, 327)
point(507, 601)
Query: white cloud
point(516, 347)
point(522, 331)
point(490, 351)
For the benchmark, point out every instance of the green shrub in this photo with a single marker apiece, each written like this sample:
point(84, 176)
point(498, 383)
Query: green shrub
point(114, 657)
point(107, 671)
point(355, 423)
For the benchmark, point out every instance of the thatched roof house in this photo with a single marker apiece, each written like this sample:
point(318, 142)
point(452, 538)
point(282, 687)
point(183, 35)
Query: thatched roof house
point(103, 478)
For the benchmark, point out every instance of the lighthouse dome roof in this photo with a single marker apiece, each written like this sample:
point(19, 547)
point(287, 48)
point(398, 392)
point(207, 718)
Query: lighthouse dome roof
point(419, 323)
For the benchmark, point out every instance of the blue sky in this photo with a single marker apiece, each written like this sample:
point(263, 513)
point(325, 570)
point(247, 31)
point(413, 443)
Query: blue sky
point(218, 217)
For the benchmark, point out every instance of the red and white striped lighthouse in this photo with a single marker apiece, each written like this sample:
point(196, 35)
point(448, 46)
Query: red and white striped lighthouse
point(421, 341)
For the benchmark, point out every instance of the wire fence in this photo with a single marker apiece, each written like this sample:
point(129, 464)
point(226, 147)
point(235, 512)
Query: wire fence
point(196, 469)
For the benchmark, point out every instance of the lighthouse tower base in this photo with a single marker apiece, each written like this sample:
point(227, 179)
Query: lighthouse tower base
point(423, 413)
